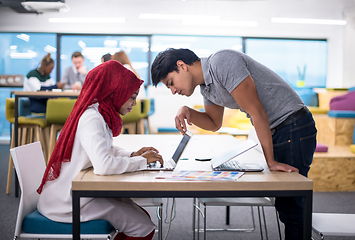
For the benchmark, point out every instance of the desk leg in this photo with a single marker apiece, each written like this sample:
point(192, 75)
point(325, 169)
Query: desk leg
point(16, 142)
point(307, 217)
point(193, 218)
point(76, 215)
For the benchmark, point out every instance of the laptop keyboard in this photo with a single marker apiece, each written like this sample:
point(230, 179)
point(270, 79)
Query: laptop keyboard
point(167, 164)
point(230, 165)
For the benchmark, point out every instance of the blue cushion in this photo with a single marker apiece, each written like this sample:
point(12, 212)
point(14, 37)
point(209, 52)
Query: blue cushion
point(24, 107)
point(341, 114)
point(37, 223)
point(165, 130)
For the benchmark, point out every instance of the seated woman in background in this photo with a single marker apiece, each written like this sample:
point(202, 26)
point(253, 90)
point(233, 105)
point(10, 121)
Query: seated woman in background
point(39, 80)
point(122, 57)
point(86, 141)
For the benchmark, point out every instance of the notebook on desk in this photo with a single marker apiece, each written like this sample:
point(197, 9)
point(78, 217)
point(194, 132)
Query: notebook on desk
point(225, 162)
point(170, 164)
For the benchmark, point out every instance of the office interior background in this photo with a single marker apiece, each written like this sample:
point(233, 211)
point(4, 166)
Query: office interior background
point(307, 55)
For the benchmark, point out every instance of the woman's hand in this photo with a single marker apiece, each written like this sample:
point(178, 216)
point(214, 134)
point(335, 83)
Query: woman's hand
point(276, 166)
point(152, 157)
point(150, 153)
point(143, 150)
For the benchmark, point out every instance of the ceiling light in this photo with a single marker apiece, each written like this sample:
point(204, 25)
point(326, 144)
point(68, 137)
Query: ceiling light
point(25, 55)
point(179, 17)
point(43, 6)
point(86, 20)
point(81, 44)
point(24, 37)
point(222, 23)
point(50, 49)
point(133, 44)
point(308, 21)
point(110, 43)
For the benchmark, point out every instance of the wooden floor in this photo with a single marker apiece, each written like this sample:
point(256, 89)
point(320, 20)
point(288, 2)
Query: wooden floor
point(333, 170)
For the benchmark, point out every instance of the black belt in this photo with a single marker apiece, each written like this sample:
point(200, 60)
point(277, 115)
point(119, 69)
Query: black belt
point(290, 119)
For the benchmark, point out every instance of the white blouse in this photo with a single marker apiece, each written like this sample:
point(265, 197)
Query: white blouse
point(33, 84)
point(92, 148)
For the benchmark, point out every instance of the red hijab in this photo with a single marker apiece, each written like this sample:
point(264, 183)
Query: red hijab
point(110, 84)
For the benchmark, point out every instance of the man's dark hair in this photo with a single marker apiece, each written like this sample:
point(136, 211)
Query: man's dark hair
point(77, 54)
point(165, 62)
point(106, 57)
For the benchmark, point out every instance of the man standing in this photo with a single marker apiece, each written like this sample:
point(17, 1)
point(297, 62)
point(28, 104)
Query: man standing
point(74, 76)
point(229, 78)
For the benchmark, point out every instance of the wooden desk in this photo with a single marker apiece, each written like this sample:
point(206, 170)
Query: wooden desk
point(144, 184)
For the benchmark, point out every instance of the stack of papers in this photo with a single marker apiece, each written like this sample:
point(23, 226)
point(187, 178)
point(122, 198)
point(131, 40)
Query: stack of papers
point(199, 175)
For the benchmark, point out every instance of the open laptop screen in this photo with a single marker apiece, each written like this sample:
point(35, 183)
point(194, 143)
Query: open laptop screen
point(185, 139)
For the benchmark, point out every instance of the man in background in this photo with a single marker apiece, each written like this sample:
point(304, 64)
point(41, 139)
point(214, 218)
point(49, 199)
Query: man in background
point(74, 76)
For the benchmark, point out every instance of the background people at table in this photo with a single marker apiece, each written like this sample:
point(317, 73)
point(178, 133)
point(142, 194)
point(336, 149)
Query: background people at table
point(122, 57)
point(232, 79)
point(39, 80)
point(86, 141)
point(75, 75)
point(106, 57)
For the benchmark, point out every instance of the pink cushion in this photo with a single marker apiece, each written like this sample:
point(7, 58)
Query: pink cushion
point(343, 102)
point(321, 148)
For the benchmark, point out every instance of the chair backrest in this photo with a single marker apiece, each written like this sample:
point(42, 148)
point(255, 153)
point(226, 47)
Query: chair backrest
point(10, 110)
point(24, 107)
point(30, 165)
point(58, 110)
point(146, 107)
point(134, 115)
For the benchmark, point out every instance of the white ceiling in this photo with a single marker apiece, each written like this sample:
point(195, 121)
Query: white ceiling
point(234, 10)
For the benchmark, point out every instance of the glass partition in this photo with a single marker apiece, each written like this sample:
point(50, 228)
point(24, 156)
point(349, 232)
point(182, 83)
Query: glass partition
point(21, 53)
point(93, 47)
point(302, 63)
point(203, 46)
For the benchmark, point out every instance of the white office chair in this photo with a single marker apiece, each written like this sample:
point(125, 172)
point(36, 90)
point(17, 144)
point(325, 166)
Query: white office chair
point(260, 203)
point(153, 202)
point(30, 165)
point(332, 224)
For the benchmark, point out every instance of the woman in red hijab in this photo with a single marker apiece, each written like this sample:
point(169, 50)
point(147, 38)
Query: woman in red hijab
point(86, 141)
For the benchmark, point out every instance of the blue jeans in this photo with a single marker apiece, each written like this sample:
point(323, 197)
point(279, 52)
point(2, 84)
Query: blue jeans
point(294, 145)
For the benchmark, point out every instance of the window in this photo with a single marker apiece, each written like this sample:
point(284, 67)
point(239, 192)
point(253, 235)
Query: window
point(93, 47)
point(203, 46)
point(301, 63)
point(21, 53)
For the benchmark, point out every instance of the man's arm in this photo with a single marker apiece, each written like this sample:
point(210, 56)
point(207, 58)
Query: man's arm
point(210, 120)
point(65, 78)
point(246, 96)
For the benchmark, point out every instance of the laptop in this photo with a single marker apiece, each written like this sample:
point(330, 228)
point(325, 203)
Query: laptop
point(170, 164)
point(224, 162)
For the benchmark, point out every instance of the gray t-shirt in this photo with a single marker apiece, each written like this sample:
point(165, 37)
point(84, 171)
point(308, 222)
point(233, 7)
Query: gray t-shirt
point(224, 70)
point(71, 76)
